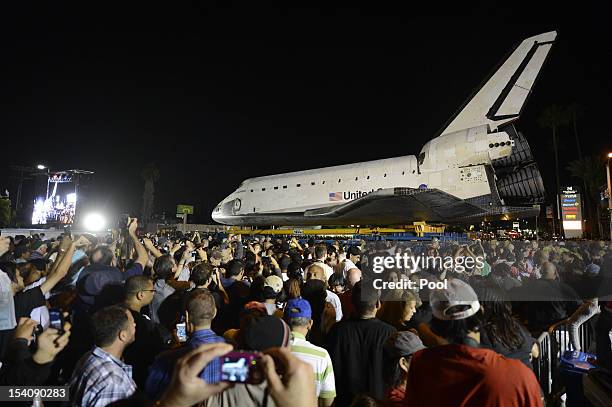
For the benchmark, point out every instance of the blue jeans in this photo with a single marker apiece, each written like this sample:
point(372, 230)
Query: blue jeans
point(579, 317)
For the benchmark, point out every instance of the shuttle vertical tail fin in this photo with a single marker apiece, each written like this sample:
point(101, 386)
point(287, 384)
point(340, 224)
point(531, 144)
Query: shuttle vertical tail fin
point(501, 99)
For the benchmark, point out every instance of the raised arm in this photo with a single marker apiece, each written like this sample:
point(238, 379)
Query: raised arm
point(141, 252)
point(148, 244)
point(61, 266)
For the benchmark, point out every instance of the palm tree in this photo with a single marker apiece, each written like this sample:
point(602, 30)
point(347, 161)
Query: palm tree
point(573, 112)
point(150, 174)
point(552, 118)
point(591, 171)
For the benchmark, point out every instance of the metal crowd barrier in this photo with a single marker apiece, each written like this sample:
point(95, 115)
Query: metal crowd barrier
point(559, 333)
point(553, 343)
point(542, 366)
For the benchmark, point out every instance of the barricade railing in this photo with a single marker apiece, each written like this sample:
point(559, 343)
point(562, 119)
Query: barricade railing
point(542, 365)
point(558, 343)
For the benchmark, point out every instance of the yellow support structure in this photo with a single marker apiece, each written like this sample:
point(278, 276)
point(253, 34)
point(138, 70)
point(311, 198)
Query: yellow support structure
point(419, 228)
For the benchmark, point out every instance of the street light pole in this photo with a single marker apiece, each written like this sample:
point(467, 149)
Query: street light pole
point(609, 192)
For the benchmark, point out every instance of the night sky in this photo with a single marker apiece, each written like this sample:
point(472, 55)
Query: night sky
point(214, 95)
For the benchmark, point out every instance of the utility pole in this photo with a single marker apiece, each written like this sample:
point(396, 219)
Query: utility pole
point(609, 192)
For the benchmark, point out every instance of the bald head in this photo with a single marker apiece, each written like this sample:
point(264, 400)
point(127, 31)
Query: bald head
point(353, 276)
point(315, 272)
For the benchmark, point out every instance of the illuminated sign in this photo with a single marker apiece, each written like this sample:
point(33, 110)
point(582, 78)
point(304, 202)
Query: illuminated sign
point(571, 213)
point(60, 177)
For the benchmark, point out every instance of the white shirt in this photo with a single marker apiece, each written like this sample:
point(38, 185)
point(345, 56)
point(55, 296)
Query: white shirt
point(184, 275)
point(334, 300)
point(40, 314)
point(348, 264)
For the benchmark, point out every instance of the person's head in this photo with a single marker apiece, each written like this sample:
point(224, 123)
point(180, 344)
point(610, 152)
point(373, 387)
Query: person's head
point(164, 267)
point(201, 309)
point(397, 353)
point(113, 327)
point(201, 274)
point(397, 313)
point(264, 332)
point(549, 271)
point(234, 269)
point(284, 262)
point(315, 272)
point(497, 321)
point(28, 272)
point(366, 300)
point(13, 273)
point(353, 276)
point(38, 268)
point(273, 287)
point(456, 312)
point(256, 247)
point(354, 254)
point(298, 314)
point(365, 400)
point(337, 283)
point(321, 251)
point(332, 258)
point(139, 290)
point(540, 257)
point(501, 270)
point(103, 255)
point(294, 271)
point(293, 289)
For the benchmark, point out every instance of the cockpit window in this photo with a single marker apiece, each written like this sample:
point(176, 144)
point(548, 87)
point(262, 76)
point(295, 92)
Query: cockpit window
point(421, 157)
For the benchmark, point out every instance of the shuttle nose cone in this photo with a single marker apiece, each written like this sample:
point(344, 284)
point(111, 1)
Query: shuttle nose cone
point(217, 213)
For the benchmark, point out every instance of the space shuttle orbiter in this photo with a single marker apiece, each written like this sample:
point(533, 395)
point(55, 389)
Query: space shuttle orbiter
point(478, 167)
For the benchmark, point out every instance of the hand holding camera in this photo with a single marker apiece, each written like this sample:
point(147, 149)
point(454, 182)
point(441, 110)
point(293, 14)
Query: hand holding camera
point(25, 329)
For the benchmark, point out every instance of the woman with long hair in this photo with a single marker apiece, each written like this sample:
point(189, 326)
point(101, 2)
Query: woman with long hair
point(501, 331)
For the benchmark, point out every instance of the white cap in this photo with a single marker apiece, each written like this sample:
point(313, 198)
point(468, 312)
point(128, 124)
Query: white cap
point(457, 301)
point(274, 282)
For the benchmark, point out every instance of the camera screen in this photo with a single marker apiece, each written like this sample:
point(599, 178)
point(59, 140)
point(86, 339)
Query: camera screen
point(236, 368)
point(55, 319)
point(181, 332)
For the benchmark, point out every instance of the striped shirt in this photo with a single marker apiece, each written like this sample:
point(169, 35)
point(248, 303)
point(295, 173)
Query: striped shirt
point(320, 361)
point(99, 379)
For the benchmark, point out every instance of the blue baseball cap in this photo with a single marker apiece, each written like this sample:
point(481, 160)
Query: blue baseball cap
point(298, 308)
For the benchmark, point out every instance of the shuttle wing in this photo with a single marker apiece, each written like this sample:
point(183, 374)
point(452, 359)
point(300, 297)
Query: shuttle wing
point(398, 205)
point(502, 97)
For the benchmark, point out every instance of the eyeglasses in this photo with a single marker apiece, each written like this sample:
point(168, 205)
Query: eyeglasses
point(153, 290)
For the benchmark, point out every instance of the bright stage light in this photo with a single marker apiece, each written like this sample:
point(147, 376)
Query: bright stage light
point(40, 167)
point(94, 222)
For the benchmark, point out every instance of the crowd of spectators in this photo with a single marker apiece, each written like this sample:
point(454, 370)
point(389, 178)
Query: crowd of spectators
point(323, 338)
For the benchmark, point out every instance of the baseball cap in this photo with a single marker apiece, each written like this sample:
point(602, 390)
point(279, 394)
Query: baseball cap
point(592, 269)
point(274, 282)
point(266, 332)
point(405, 343)
point(457, 301)
point(298, 308)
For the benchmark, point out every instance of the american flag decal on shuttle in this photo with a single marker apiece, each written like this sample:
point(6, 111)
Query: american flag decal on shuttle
point(335, 196)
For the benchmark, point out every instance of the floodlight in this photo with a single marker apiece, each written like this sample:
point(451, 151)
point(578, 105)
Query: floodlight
point(94, 222)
